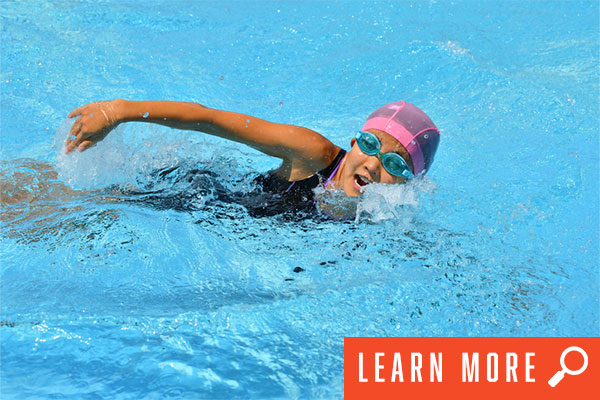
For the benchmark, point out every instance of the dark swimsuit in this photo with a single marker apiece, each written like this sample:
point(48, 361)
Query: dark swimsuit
point(302, 189)
point(272, 195)
point(298, 195)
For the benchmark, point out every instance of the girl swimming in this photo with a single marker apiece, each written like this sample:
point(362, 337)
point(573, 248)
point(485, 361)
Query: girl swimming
point(397, 143)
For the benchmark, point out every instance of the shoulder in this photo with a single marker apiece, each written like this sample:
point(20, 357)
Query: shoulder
point(314, 154)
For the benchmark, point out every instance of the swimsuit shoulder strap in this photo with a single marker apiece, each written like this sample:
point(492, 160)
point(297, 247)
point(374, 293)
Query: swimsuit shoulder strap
point(332, 168)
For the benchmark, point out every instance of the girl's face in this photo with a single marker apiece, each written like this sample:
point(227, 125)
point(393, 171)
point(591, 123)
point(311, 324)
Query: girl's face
point(360, 169)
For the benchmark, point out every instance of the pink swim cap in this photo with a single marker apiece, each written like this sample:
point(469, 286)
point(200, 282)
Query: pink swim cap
point(412, 128)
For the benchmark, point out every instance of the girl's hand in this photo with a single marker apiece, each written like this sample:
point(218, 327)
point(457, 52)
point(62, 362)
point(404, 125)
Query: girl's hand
point(95, 121)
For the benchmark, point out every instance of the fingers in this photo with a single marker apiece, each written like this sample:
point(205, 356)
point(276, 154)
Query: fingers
point(89, 128)
point(76, 112)
point(71, 146)
point(74, 136)
point(86, 144)
point(80, 144)
point(76, 127)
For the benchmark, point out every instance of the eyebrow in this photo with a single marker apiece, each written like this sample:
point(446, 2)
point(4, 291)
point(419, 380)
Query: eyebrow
point(393, 151)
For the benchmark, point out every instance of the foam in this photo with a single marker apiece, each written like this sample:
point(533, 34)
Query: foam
point(124, 156)
point(379, 202)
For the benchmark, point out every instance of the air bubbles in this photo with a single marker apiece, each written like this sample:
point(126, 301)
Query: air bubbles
point(426, 136)
point(247, 121)
point(145, 114)
point(91, 115)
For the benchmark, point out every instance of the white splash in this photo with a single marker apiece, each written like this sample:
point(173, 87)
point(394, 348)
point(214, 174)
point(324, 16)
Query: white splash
point(453, 48)
point(335, 204)
point(378, 202)
point(382, 202)
point(124, 155)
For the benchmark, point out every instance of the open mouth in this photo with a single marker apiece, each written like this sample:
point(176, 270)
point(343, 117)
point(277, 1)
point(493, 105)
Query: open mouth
point(361, 181)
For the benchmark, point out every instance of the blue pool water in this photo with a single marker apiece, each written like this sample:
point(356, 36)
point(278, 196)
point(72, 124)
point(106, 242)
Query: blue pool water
point(106, 293)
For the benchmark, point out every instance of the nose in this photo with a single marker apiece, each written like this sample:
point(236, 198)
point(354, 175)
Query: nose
point(373, 165)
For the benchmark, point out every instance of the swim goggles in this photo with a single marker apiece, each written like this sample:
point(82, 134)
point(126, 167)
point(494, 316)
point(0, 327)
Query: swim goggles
point(392, 162)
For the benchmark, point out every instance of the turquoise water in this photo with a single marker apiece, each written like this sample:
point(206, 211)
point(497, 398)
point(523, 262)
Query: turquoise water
point(107, 293)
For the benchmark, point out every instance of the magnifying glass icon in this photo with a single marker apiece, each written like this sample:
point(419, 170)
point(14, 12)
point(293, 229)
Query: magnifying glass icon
point(561, 374)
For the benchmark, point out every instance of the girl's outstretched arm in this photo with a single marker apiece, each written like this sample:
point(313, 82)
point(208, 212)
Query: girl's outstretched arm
point(302, 150)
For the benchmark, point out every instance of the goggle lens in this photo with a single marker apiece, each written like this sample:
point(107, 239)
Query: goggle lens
point(369, 144)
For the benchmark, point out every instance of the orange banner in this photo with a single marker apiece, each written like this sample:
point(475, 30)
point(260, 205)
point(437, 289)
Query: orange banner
point(472, 368)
